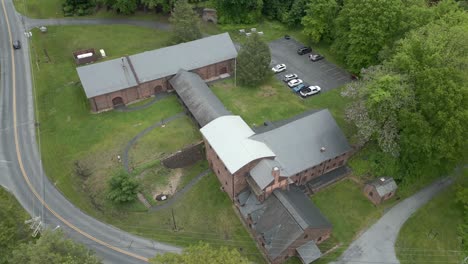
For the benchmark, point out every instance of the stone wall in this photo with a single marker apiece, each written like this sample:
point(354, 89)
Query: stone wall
point(185, 157)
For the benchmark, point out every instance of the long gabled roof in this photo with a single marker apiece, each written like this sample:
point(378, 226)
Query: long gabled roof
point(109, 76)
point(198, 97)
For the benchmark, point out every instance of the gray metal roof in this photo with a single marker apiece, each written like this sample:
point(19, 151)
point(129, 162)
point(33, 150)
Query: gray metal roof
point(261, 173)
point(309, 252)
point(384, 185)
point(191, 55)
point(282, 218)
point(297, 143)
point(108, 76)
point(301, 208)
point(198, 97)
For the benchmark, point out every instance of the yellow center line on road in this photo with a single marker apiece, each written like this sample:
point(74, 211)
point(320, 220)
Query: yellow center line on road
point(23, 171)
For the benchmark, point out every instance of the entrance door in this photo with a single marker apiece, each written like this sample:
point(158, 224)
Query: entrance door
point(158, 89)
point(117, 101)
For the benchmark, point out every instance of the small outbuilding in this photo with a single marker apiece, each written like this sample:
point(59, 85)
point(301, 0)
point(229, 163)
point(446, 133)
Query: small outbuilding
point(85, 56)
point(380, 189)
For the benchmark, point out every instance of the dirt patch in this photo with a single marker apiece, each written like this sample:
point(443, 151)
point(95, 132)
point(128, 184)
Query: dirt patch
point(171, 187)
point(267, 91)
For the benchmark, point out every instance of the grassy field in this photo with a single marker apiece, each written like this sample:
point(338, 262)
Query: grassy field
point(274, 101)
point(430, 235)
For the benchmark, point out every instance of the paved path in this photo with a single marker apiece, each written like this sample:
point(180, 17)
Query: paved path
point(377, 244)
point(178, 194)
point(30, 23)
point(129, 145)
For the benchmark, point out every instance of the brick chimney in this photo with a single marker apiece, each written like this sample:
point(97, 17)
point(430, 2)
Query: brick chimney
point(276, 174)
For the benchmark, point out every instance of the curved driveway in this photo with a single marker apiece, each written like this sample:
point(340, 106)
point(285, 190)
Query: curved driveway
point(377, 244)
point(20, 169)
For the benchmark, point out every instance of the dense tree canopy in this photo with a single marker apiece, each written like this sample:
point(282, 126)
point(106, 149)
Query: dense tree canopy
point(53, 248)
point(239, 11)
point(185, 21)
point(276, 9)
point(319, 18)
point(363, 28)
point(122, 188)
point(253, 61)
point(202, 253)
point(296, 13)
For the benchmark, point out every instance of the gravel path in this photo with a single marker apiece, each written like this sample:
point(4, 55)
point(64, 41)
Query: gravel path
point(377, 244)
point(129, 145)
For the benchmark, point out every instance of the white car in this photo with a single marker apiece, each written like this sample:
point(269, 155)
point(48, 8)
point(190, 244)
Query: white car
point(289, 77)
point(279, 68)
point(294, 82)
point(311, 90)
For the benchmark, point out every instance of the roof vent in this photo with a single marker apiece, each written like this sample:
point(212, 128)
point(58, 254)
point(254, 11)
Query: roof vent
point(322, 149)
point(382, 179)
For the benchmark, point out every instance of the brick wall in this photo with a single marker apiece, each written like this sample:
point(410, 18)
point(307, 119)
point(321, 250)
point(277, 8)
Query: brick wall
point(185, 157)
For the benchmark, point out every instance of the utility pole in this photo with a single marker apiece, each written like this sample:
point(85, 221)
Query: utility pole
point(173, 220)
point(35, 224)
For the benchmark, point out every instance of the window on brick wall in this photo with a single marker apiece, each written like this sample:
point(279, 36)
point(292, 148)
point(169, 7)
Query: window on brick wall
point(218, 171)
point(319, 239)
point(225, 182)
point(306, 236)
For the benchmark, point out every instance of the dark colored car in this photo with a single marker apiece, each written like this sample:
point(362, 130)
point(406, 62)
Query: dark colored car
point(287, 37)
point(315, 57)
point(304, 50)
point(16, 44)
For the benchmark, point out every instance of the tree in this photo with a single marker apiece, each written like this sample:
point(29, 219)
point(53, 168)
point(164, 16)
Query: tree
point(253, 61)
point(378, 99)
point(125, 7)
point(163, 5)
point(53, 248)
point(13, 231)
point(239, 11)
point(185, 21)
point(363, 28)
point(296, 13)
point(318, 21)
point(202, 253)
point(276, 9)
point(122, 188)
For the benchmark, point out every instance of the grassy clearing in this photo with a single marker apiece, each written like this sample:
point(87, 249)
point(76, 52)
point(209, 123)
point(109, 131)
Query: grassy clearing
point(163, 141)
point(430, 235)
point(203, 214)
point(274, 101)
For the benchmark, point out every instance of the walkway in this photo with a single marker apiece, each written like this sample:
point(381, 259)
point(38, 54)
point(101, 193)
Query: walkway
point(30, 23)
point(142, 133)
point(377, 244)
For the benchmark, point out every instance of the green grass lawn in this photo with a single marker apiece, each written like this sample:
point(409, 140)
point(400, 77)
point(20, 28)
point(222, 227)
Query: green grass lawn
point(274, 101)
point(430, 235)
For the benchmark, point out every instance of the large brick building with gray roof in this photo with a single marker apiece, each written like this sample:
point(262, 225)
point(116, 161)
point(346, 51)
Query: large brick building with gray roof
point(131, 78)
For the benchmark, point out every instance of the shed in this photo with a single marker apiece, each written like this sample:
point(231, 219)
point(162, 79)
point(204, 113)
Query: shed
point(85, 56)
point(380, 189)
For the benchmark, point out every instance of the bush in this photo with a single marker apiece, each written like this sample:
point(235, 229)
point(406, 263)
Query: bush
point(123, 188)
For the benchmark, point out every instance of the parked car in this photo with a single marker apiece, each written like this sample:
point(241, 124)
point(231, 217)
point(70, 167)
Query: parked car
point(315, 57)
point(279, 68)
point(289, 77)
point(304, 50)
point(311, 90)
point(300, 87)
point(287, 37)
point(16, 44)
point(161, 197)
point(294, 82)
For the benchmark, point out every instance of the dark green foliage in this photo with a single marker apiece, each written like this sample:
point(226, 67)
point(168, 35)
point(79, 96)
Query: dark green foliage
point(296, 13)
point(363, 28)
point(276, 9)
point(53, 248)
point(122, 188)
point(13, 231)
point(164, 6)
point(186, 22)
point(125, 7)
point(202, 253)
point(253, 61)
point(319, 18)
point(78, 7)
point(239, 11)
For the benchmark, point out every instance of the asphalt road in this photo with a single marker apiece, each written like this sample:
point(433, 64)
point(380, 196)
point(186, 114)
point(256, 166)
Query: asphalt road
point(20, 169)
point(377, 244)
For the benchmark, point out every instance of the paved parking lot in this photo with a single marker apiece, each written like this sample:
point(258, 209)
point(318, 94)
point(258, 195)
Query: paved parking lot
point(322, 73)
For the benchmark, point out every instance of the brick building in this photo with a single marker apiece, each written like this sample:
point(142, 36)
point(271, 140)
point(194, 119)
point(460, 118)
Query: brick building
point(380, 189)
point(132, 78)
point(262, 171)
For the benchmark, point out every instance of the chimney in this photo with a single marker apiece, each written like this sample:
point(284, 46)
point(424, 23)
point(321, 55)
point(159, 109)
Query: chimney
point(322, 149)
point(276, 174)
